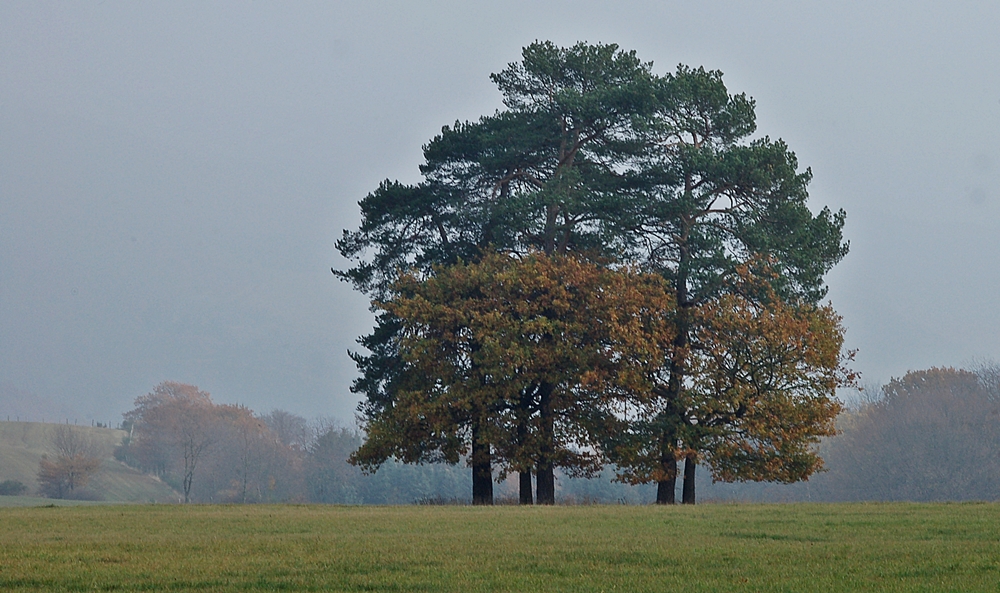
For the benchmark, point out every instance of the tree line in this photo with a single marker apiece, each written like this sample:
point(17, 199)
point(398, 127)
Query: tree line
point(612, 270)
point(211, 452)
point(930, 435)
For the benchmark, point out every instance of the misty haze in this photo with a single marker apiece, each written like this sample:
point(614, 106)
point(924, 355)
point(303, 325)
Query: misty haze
point(514, 296)
point(174, 180)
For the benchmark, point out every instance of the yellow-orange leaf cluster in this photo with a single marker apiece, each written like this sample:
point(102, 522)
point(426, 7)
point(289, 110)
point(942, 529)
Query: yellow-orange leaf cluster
point(527, 363)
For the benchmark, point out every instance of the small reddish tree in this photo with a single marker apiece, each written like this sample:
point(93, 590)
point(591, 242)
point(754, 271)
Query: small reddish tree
point(60, 478)
point(75, 462)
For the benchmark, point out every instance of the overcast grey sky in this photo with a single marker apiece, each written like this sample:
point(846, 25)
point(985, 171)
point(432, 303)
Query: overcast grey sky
point(173, 175)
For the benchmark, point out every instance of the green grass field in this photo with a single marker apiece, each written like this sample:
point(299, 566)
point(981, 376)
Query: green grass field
point(872, 547)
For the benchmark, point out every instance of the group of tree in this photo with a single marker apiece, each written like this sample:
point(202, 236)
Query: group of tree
point(611, 270)
point(212, 452)
point(179, 433)
point(930, 435)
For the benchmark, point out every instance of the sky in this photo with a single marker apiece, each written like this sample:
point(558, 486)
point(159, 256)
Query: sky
point(174, 175)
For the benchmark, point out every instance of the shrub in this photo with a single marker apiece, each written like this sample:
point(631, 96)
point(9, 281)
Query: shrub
point(12, 488)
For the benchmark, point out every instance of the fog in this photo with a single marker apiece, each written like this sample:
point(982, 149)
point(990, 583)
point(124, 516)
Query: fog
point(173, 176)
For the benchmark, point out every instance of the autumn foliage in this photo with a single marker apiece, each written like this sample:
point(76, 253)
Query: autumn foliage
point(75, 461)
point(524, 364)
point(595, 156)
point(208, 451)
point(929, 435)
point(764, 374)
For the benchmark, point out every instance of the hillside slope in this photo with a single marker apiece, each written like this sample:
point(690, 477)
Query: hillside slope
point(22, 445)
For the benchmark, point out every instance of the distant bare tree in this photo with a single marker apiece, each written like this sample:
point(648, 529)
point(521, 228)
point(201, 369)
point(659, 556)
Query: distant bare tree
point(989, 375)
point(174, 423)
point(292, 430)
point(329, 477)
point(75, 462)
point(70, 442)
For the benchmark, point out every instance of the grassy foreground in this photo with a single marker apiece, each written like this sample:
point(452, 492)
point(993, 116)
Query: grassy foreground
point(873, 547)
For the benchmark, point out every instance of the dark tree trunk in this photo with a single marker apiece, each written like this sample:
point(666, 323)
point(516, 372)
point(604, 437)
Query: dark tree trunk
point(545, 480)
point(523, 416)
point(666, 489)
point(689, 467)
point(678, 367)
point(524, 485)
point(482, 470)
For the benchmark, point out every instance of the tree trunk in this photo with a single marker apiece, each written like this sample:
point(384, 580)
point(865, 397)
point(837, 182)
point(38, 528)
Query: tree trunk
point(524, 485)
point(666, 489)
point(675, 385)
point(523, 416)
point(545, 480)
point(482, 470)
point(188, 475)
point(689, 466)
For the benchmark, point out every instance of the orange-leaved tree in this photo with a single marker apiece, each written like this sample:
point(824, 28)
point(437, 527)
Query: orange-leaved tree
point(76, 460)
point(765, 377)
point(520, 363)
point(174, 425)
point(760, 390)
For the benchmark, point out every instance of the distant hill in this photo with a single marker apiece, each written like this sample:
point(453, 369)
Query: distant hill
point(22, 445)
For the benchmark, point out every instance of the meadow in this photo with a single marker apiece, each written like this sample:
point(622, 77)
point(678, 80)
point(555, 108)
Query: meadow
point(714, 547)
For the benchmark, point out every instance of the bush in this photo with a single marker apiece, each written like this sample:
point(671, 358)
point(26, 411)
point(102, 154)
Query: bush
point(12, 488)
